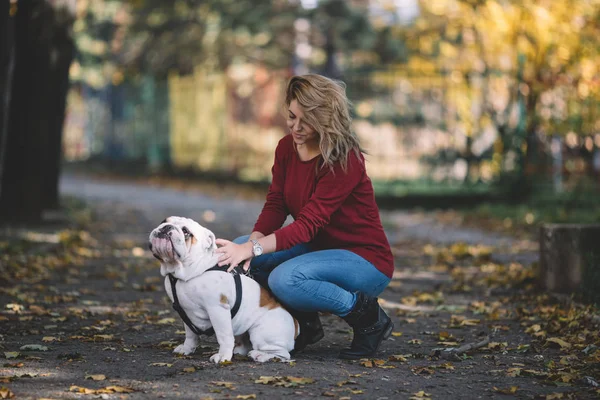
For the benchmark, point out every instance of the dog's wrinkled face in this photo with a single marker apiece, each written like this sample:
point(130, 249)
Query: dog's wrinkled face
point(179, 240)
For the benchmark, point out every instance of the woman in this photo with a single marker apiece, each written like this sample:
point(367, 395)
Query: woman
point(335, 256)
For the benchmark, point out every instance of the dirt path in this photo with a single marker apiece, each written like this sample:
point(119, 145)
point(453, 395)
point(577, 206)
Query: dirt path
point(101, 312)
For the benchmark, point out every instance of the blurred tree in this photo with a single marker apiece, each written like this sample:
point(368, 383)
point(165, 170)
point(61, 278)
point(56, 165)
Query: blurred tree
point(513, 53)
point(178, 35)
point(43, 52)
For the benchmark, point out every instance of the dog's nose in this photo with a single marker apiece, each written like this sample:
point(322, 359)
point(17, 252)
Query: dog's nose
point(164, 231)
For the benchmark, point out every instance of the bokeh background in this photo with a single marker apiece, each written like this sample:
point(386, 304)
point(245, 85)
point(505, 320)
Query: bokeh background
point(456, 101)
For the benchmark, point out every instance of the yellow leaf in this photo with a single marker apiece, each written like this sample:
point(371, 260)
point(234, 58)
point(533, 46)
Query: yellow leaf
point(50, 339)
point(160, 364)
point(118, 389)
point(554, 396)
point(367, 363)
point(510, 390)
point(421, 394)
point(189, 369)
point(166, 321)
point(397, 334)
point(265, 380)
point(5, 393)
point(228, 385)
point(398, 358)
point(80, 389)
point(245, 396)
point(560, 342)
point(422, 371)
point(103, 337)
point(300, 381)
point(356, 391)
point(11, 354)
point(98, 377)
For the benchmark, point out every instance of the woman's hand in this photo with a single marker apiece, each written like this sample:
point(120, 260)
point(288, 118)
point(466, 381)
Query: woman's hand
point(233, 254)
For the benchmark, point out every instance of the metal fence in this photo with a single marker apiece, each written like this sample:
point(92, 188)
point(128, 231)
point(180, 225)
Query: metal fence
point(425, 126)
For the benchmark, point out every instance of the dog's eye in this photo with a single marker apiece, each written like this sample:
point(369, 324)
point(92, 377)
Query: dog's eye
point(186, 233)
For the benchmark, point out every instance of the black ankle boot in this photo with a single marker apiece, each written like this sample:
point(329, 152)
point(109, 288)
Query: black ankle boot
point(371, 326)
point(311, 330)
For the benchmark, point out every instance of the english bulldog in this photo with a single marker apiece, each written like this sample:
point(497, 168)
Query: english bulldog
point(261, 329)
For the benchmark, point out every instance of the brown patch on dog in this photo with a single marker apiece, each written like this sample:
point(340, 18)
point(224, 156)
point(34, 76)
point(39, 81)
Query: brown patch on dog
point(267, 300)
point(194, 240)
point(296, 330)
point(224, 299)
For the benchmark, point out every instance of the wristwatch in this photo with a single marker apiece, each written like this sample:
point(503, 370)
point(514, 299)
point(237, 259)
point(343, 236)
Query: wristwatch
point(257, 249)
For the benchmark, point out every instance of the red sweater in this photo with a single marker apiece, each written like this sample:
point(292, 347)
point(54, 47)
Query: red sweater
point(331, 210)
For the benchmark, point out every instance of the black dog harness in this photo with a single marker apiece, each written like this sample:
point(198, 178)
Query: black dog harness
point(236, 306)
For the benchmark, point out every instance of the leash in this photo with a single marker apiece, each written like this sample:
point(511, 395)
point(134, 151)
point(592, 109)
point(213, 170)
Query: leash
point(186, 320)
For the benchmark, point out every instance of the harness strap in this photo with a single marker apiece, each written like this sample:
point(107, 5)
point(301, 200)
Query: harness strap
point(186, 320)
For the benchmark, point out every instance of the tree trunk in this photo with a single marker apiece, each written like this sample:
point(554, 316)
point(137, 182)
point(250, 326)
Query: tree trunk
point(570, 259)
point(64, 49)
point(7, 27)
point(29, 184)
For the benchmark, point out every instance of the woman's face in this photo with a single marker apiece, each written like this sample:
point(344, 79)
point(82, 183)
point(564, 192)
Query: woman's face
point(300, 130)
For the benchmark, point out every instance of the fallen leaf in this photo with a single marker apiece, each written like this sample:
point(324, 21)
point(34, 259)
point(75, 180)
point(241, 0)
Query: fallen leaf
point(11, 354)
point(285, 381)
point(33, 347)
point(367, 363)
point(398, 358)
point(5, 393)
point(560, 342)
point(160, 364)
point(103, 337)
point(166, 321)
point(396, 334)
point(245, 396)
point(510, 390)
point(420, 395)
point(50, 339)
point(265, 380)
point(227, 385)
point(189, 369)
point(98, 377)
point(15, 365)
point(422, 371)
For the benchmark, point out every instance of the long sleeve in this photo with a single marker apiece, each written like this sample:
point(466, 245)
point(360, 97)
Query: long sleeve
point(274, 211)
point(331, 191)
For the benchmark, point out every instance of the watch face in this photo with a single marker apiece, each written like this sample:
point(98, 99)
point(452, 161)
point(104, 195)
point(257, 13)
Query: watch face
point(257, 248)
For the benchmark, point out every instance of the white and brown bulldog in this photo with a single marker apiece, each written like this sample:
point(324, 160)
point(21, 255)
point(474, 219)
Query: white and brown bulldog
point(261, 328)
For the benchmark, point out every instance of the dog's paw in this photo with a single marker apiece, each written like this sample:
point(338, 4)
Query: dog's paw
point(219, 357)
point(261, 356)
point(185, 350)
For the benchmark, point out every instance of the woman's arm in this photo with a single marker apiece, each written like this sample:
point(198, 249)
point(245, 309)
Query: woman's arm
point(274, 211)
point(234, 254)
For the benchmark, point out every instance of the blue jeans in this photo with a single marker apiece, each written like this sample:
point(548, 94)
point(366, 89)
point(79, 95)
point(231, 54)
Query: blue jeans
point(324, 280)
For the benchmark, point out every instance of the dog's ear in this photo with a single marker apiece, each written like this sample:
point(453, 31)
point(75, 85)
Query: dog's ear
point(163, 221)
point(210, 241)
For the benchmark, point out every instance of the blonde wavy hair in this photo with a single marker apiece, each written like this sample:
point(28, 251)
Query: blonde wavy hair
point(327, 110)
